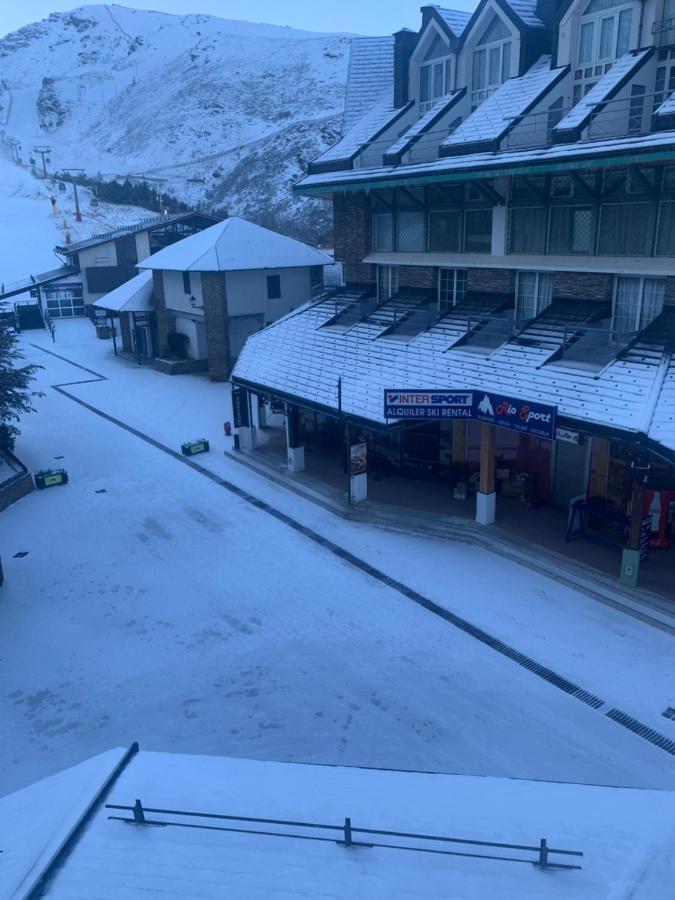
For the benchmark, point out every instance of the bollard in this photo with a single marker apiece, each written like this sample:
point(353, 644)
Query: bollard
point(139, 817)
point(348, 832)
point(543, 854)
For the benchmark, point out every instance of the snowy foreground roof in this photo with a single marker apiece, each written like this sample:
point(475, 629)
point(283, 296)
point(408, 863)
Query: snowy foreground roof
point(626, 836)
point(134, 295)
point(303, 355)
point(232, 245)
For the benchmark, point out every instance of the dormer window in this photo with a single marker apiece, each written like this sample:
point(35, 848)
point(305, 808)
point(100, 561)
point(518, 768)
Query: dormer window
point(491, 61)
point(604, 37)
point(435, 74)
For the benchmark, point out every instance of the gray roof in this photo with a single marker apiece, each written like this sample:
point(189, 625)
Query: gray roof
point(13, 288)
point(578, 116)
point(455, 19)
point(134, 295)
point(142, 225)
point(300, 358)
point(526, 10)
point(423, 124)
point(370, 75)
point(366, 129)
point(511, 99)
point(667, 107)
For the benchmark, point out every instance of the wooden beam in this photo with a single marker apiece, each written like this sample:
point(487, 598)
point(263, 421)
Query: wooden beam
point(487, 458)
point(489, 193)
point(406, 193)
point(459, 442)
point(637, 172)
point(576, 177)
point(534, 190)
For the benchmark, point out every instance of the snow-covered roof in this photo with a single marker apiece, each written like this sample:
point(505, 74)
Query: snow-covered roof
point(370, 75)
point(667, 107)
point(134, 295)
point(604, 89)
point(455, 19)
point(366, 129)
point(470, 162)
point(300, 358)
point(233, 245)
point(662, 428)
point(424, 123)
point(526, 10)
point(511, 99)
point(143, 225)
point(109, 859)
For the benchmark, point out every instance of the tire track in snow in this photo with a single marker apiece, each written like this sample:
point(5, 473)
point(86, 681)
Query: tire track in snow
point(549, 675)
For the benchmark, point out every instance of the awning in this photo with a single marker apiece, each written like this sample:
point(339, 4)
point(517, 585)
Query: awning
point(134, 295)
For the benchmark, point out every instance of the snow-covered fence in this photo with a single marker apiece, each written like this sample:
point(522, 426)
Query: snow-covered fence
point(540, 854)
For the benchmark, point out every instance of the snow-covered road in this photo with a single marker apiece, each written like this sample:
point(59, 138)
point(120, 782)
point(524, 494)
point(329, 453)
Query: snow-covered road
point(169, 611)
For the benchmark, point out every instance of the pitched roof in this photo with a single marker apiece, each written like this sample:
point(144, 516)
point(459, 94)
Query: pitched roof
point(197, 856)
point(604, 89)
point(303, 356)
point(455, 19)
point(232, 245)
point(376, 120)
point(526, 11)
point(511, 99)
point(142, 225)
point(369, 77)
point(134, 295)
point(422, 126)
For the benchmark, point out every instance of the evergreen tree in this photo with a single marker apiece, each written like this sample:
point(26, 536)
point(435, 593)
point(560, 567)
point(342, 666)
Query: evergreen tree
point(15, 394)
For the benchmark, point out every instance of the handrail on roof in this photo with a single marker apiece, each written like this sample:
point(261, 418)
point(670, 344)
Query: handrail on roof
point(540, 858)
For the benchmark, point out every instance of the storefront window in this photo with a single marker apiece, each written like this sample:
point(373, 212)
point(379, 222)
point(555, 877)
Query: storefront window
point(534, 292)
point(451, 287)
point(571, 229)
point(527, 229)
point(444, 230)
point(478, 231)
point(626, 229)
point(637, 302)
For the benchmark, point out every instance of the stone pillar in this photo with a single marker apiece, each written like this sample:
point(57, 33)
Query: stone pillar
point(295, 449)
point(216, 322)
point(164, 321)
point(486, 498)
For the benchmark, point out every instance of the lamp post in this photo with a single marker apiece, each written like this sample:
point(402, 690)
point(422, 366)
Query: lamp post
point(73, 174)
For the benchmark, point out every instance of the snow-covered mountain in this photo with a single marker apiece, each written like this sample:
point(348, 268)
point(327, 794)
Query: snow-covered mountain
point(216, 110)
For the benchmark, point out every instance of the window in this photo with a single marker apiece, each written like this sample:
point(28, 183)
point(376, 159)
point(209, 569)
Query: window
point(435, 74)
point(636, 109)
point(444, 230)
point(527, 232)
point(478, 230)
point(410, 230)
point(664, 84)
point(626, 229)
point(273, 287)
point(186, 283)
point(603, 37)
point(451, 287)
point(387, 282)
point(383, 231)
point(571, 229)
point(637, 302)
point(534, 292)
point(491, 63)
point(665, 244)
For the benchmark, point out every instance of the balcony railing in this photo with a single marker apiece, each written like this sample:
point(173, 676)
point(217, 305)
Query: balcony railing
point(534, 129)
point(664, 32)
point(593, 345)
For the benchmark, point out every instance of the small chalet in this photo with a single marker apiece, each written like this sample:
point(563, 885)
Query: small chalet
point(214, 289)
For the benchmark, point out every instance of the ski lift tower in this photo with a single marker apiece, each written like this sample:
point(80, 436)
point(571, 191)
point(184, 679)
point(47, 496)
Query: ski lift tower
point(74, 173)
point(44, 153)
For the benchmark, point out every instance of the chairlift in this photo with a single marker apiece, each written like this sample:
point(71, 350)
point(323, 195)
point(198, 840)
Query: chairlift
point(94, 202)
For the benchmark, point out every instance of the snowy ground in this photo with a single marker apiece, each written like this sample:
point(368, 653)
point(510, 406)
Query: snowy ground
point(169, 611)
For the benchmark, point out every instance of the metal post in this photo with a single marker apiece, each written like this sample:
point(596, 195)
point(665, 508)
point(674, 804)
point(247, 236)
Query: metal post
point(348, 832)
point(543, 854)
point(112, 331)
point(139, 817)
point(78, 214)
point(339, 394)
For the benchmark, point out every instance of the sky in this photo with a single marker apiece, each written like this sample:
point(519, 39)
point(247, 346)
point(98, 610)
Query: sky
point(347, 15)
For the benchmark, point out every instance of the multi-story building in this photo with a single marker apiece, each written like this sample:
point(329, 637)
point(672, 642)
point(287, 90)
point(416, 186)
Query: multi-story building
point(504, 203)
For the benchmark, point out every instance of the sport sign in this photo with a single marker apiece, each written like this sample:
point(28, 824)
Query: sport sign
point(536, 419)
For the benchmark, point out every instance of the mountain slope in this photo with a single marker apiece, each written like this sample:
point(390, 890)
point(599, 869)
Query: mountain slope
point(191, 101)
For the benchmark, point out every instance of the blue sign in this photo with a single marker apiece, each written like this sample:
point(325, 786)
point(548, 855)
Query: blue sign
point(537, 419)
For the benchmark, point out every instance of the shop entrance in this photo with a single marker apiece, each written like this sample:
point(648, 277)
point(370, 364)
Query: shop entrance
point(570, 473)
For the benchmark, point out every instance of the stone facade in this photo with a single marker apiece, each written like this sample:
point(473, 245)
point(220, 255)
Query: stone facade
point(491, 281)
point(417, 277)
point(353, 236)
point(164, 320)
point(217, 326)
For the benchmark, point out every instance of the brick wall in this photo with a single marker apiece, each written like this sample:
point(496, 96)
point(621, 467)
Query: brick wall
point(670, 292)
point(10, 493)
point(583, 286)
point(165, 321)
point(217, 326)
point(417, 276)
point(353, 236)
point(491, 281)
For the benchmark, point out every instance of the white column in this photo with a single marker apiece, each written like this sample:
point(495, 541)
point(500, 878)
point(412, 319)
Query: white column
point(358, 487)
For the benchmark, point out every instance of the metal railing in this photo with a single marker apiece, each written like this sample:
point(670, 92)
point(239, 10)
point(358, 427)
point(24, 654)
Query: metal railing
point(540, 854)
point(664, 32)
point(623, 117)
point(593, 344)
point(534, 129)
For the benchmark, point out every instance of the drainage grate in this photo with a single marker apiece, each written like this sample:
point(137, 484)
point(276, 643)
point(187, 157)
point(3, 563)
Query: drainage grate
point(643, 730)
point(21, 554)
point(669, 713)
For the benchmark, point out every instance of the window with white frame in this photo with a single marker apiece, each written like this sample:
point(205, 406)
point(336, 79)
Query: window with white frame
point(604, 36)
point(637, 302)
point(491, 63)
point(383, 231)
point(534, 292)
point(387, 282)
point(451, 287)
point(436, 74)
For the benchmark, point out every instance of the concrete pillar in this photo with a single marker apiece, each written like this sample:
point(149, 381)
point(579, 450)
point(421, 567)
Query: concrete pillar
point(499, 230)
point(486, 498)
point(295, 449)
